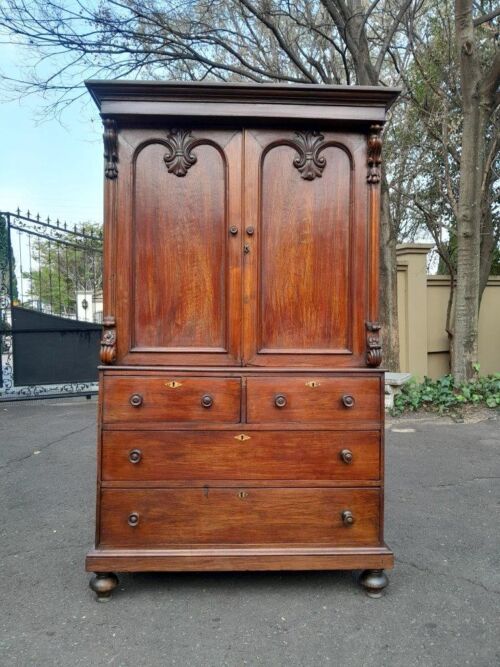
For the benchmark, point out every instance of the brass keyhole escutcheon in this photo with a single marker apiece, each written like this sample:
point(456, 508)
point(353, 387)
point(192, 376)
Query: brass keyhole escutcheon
point(313, 383)
point(242, 437)
point(174, 384)
point(242, 495)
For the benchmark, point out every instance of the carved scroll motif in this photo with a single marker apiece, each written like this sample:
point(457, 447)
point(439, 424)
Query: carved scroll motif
point(180, 158)
point(108, 340)
point(309, 162)
point(373, 345)
point(374, 154)
point(110, 138)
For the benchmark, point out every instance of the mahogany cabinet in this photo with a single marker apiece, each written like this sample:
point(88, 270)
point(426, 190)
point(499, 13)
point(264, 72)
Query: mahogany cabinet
point(241, 403)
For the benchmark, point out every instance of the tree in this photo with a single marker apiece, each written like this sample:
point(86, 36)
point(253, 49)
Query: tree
point(63, 266)
point(435, 128)
point(307, 41)
point(480, 97)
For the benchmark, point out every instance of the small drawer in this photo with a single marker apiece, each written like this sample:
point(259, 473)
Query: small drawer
point(240, 455)
point(149, 518)
point(313, 399)
point(171, 399)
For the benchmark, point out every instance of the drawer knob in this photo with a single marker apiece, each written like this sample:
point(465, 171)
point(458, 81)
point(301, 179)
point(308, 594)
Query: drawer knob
point(135, 400)
point(135, 455)
point(233, 229)
point(133, 519)
point(348, 400)
point(207, 401)
point(280, 401)
point(346, 455)
point(347, 518)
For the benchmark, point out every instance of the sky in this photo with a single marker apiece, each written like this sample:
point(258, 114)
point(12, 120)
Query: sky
point(51, 167)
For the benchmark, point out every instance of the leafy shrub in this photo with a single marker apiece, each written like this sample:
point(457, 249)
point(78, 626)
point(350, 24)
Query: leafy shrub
point(443, 395)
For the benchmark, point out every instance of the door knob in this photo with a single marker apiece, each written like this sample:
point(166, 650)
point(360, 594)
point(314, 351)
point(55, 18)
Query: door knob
point(280, 401)
point(347, 518)
point(207, 401)
point(135, 400)
point(133, 519)
point(135, 455)
point(348, 400)
point(233, 230)
point(346, 455)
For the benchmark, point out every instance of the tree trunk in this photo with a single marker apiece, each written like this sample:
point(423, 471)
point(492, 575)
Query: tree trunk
point(477, 107)
point(488, 240)
point(388, 284)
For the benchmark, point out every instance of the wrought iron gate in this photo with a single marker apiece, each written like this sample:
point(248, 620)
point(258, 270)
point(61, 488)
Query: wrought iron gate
point(50, 307)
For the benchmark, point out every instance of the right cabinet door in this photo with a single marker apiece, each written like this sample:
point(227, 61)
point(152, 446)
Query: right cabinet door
point(306, 272)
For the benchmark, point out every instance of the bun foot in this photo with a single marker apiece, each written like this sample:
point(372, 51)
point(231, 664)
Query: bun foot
point(103, 584)
point(374, 582)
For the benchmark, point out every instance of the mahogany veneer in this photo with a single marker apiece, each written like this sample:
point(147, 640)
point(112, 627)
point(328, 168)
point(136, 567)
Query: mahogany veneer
point(241, 402)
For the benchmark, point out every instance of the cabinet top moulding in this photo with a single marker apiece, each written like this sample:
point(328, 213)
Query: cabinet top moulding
point(242, 100)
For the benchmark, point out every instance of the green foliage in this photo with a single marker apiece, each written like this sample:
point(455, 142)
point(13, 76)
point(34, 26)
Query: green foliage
point(443, 395)
point(60, 270)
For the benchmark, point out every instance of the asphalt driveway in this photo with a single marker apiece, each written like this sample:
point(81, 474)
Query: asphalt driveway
point(442, 607)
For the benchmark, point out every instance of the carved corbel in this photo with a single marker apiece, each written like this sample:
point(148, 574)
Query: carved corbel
point(309, 162)
point(108, 340)
point(110, 138)
point(374, 154)
point(373, 344)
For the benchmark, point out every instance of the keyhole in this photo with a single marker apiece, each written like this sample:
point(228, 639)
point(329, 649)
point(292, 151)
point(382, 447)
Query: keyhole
point(242, 495)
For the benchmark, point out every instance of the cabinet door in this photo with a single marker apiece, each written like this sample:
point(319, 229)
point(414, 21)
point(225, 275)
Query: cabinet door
point(305, 270)
point(178, 246)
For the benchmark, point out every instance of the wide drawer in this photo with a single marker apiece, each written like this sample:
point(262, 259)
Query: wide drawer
point(230, 455)
point(194, 516)
point(313, 399)
point(171, 399)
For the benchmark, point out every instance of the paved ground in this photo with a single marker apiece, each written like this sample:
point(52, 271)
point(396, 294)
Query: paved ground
point(441, 608)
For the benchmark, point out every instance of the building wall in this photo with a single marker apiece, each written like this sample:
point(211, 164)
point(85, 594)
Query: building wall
point(422, 305)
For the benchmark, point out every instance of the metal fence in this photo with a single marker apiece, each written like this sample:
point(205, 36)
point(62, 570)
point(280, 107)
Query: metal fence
point(50, 306)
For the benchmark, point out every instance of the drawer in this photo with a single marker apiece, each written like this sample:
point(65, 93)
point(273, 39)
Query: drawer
point(312, 399)
point(251, 516)
point(235, 455)
point(171, 399)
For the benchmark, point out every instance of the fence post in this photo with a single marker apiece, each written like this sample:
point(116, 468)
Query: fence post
point(412, 306)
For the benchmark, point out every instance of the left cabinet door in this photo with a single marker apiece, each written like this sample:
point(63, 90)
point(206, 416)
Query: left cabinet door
point(174, 274)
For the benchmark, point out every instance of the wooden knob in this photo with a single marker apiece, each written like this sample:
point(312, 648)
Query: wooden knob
point(207, 401)
point(347, 518)
point(348, 400)
point(133, 519)
point(135, 455)
point(346, 455)
point(280, 401)
point(135, 400)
